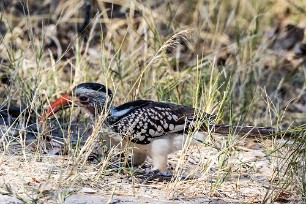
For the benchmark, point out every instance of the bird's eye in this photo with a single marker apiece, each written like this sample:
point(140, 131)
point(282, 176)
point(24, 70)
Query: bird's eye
point(83, 98)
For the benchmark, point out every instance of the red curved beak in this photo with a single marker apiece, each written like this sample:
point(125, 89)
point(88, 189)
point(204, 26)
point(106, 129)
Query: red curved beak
point(61, 103)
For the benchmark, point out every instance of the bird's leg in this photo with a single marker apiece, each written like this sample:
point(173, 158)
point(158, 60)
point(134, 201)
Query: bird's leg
point(138, 158)
point(159, 154)
point(160, 162)
point(160, 149)
point(160, 165)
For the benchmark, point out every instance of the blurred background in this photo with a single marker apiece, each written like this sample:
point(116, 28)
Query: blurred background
point(241, 60)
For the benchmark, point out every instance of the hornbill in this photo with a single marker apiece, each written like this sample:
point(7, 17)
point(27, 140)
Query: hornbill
point(153, 129)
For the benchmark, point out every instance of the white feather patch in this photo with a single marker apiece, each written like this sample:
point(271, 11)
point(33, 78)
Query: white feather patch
point(116, 113)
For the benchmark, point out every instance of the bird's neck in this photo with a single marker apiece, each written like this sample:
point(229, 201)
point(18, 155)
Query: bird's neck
point(97, 111)
point(113, 113)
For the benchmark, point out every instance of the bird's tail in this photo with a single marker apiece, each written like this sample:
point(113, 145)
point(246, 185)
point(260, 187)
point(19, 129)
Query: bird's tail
point(245, 130)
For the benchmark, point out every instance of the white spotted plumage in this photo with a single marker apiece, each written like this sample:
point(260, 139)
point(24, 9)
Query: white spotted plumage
point(153, 129)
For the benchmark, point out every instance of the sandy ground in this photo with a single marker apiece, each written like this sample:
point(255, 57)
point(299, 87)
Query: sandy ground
point(247, 175)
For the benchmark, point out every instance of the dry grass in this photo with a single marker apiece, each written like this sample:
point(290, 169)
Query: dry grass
point(212, 55)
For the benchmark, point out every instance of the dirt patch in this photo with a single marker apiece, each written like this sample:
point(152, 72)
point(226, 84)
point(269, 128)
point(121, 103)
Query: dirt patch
point(248, 175)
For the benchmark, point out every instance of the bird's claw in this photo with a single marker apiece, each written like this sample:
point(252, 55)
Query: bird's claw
point(153, 175)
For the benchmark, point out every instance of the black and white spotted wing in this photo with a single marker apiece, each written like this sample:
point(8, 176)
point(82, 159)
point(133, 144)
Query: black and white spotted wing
point(143, 120)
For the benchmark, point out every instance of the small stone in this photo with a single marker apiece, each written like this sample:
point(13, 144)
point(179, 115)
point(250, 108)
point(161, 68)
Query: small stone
point(88, 190)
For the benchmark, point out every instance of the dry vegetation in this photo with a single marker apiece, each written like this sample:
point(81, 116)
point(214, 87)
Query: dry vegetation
point(242, 60)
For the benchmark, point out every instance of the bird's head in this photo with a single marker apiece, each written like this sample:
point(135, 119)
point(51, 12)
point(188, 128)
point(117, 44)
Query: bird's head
point(94, 97)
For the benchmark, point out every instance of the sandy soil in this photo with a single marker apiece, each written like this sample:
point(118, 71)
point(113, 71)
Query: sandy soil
point(247, 176)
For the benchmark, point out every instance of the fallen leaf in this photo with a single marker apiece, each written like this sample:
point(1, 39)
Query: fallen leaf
point(252, 145)
point(35, 180)
point(283, 197)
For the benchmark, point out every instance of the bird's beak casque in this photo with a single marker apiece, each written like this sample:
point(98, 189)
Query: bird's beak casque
point(65, 101)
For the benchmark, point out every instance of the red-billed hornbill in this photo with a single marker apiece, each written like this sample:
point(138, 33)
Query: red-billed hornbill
point(154, 129)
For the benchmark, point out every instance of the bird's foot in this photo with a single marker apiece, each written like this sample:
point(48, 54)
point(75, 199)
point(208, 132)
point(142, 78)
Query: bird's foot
point(157, 175)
